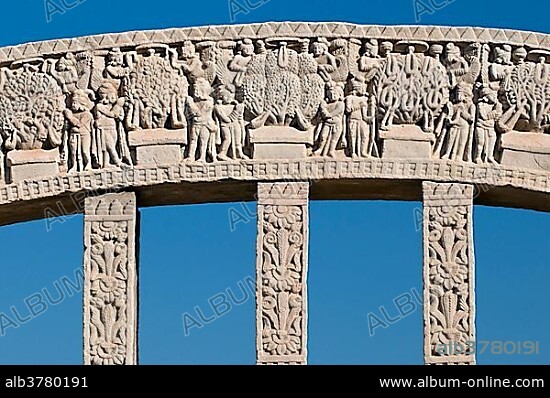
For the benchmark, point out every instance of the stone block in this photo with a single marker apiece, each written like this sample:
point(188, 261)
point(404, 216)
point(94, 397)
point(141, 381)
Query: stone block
point(158, 146)
point(406, 142)
point(526, 150)
point(280, 142)
point(32, 164)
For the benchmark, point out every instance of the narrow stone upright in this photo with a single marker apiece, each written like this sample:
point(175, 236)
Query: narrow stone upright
point(110, 279)
point(281, 271)
point(449, 303)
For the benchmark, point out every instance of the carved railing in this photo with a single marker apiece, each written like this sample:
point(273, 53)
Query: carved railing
point(363, 111)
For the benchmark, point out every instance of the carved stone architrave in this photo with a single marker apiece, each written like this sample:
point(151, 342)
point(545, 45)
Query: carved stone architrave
point(224, 95)
point(282, 258)
point(110, 279)
point(449, 301)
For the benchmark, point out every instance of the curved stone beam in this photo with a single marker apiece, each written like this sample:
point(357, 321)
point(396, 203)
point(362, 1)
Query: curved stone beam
point(235, 181)
point(363, 111)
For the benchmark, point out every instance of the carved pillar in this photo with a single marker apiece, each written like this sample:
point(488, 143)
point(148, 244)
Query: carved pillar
point(449, 302)
point(110, 279)
point(281, 271)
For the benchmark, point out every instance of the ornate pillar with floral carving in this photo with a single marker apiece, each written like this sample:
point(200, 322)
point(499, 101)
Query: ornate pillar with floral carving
point(449, 303)
point(110, 279)
point(281, 271)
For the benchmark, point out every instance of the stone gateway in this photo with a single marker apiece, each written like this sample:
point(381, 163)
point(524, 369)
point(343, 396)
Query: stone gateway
point(280, 113)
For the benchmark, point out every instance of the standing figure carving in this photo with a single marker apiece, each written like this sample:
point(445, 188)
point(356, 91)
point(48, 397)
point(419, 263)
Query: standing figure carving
point(110, 146)
point(203, 129)
point(330, 130)
point(229, 116)
point(358, 119)
point(460, 126)
point(489, 111)
point(80, 130)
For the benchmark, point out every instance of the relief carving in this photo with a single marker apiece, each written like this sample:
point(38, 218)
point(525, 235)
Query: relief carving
point(448, 270)
point(226, 100)
point(282, 267)
point(110, 327)
point(31, 108)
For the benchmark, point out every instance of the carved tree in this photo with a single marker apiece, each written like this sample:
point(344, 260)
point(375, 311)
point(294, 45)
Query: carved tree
point(157, 93)
point(31, 109)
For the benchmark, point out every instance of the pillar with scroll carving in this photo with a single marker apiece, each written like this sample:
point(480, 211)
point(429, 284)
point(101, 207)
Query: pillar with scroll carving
point(110, 279)
point(281, 271)
point(449, 302)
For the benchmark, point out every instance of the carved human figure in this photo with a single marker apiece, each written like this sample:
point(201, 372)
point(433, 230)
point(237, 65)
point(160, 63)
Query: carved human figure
point(109, 114)
point(260, 47)
point(313, 86)
point(65, 72)
point(456, 65)
point(225, 52)
point(339, 50)
point(433, 61)
point(116, 70)
point(330, 130)
point(519, 55)
point(325, 60)
point(203, 127)
point(361, 135)
point(198, 61)
point(207, 58)
point(541, 69)
point(461, 115)
point(81, 124)
point(501, 66)
point(240, 61)
point(190, 60)
point(386, 49)
point(489, 111)
point(370, 60)
point(537, 90)
point(229, 115)
point(473, 55)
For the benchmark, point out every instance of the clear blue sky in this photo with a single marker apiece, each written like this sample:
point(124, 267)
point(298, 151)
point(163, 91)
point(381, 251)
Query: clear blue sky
point(362, 254)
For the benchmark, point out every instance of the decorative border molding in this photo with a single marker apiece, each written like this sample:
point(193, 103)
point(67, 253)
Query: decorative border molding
point(288, 170)
point(275, 29)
